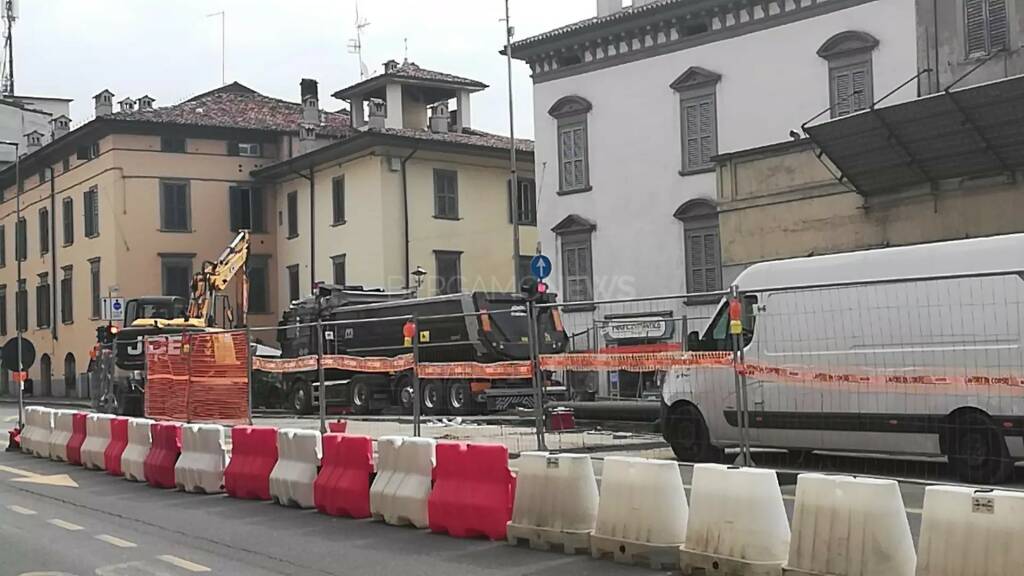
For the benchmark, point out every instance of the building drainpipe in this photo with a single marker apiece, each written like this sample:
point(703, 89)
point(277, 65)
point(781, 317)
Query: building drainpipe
point(54, 283)
point(312, 231)
point(405, 213)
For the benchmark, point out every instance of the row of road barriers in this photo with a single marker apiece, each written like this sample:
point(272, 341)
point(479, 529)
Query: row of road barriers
point(733, 524)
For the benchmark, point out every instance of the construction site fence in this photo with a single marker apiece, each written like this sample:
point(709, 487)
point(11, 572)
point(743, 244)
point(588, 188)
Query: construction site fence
point(919, 370)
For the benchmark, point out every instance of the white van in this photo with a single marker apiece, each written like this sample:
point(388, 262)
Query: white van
point(914, 350)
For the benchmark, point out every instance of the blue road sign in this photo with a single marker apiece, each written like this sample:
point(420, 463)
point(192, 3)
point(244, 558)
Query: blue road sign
point(540, 266)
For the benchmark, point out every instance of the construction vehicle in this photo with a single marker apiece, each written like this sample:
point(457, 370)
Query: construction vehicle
point(120, 359)
point(483, 327)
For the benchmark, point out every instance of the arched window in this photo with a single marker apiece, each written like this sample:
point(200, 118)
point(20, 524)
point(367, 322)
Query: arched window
point(45, 376)
point(851, 87)
point(701, 242)
point(70, 374)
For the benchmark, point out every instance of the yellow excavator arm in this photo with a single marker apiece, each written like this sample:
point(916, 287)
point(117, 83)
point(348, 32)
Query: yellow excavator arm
point(215, 276)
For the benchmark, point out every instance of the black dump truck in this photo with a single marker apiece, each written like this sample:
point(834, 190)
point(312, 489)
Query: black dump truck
point(484, 327)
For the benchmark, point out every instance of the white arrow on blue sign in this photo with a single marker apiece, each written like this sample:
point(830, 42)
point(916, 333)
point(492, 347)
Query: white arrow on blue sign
point(540, 266)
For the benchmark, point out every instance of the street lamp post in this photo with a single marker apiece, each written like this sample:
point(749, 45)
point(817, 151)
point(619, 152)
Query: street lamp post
point(17, 257)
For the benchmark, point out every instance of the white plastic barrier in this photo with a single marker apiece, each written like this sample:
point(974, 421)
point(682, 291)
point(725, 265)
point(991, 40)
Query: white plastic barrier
point(61, 435)
point(387, 470)
point(35, 438)
point(134, 456)
point(845, 526)
point(968, 532)
point(400, 491)
point(737, 522)
point(642, 512)
point(556, 501)
point(291, 481)
point(97, 436)
point(200, 468)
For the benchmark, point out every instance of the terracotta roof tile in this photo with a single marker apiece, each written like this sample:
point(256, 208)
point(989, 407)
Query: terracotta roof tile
point(237, 106)
point(582, 25)
point(469, 137)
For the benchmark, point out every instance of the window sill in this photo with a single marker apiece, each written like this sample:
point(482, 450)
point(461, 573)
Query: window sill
point(579, 308)
point(451, 218)
point(574, 191)
point(91, 236)
point(291, 237)
point(696, 171)
point(174, 231)
point(339, 223)
point(528, 224)
point(67, 322)
point(66, 244)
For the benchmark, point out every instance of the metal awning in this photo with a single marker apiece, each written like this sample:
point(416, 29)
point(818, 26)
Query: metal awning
point(972, 131)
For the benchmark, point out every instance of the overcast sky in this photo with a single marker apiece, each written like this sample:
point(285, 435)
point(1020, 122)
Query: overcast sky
point(171, 50)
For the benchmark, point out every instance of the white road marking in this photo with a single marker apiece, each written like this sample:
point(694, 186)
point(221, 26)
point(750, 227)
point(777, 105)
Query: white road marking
point(138, 568)
point(115, 541)
point(63, 524)
point(21, 510)
point(182, 563)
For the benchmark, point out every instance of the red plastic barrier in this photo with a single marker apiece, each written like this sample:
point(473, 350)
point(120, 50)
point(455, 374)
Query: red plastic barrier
point(473, 491)
point(77, 438)
point(163, 455)
point(338, 426)
point(342, 488)
point(253, 456)
point(118, 442)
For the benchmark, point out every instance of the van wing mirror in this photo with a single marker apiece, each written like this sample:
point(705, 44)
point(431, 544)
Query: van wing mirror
point(693, 341)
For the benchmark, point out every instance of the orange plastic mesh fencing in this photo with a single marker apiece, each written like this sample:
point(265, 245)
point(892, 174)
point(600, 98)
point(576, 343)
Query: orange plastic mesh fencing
point(198, 378)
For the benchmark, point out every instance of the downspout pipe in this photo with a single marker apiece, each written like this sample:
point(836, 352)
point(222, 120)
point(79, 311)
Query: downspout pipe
point(405, 213)
point(54, 282)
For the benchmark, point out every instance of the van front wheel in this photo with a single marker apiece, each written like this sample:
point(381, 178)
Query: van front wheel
point(978, 452)
point(688, 435)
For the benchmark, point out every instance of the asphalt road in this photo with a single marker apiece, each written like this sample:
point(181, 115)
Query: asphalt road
point(108, 526)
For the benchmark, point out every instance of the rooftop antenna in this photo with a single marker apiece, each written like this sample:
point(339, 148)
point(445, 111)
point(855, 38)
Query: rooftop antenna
point(355, 45)
point(223, 80)
point(406, 41)
point(10, 14)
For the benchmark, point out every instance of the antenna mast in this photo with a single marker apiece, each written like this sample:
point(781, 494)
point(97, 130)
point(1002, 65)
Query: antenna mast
point(355, 46)
point(10, 14)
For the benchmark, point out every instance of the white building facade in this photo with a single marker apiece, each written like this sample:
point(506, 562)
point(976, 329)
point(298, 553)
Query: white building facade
point(631, 106)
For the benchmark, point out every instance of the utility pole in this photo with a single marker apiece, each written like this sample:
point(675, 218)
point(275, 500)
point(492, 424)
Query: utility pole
point(9, 16)
point(513, 177)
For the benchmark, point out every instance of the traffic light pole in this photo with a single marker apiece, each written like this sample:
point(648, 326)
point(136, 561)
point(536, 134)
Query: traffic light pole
point(538, 380)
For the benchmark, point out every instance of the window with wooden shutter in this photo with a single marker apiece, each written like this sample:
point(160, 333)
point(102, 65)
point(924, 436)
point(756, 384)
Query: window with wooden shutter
point(572, 153)
point(338, 200)
point(986, 26)
point(44, 231)
point(524, 204)
point(577, 272)
point(700, 142)
point(91, 202)
point(94, 287)
point(293, 214)
point(448, 272)
point(68, 220)
point(851, 88)
point(175, 207)
point(67, 315)
point(446, 194)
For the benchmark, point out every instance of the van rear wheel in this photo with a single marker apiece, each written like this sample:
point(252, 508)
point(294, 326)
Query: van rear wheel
point(688, 435)
point(977, 451)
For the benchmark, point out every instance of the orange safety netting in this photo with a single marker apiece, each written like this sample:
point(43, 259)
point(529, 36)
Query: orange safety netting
point(198, 378)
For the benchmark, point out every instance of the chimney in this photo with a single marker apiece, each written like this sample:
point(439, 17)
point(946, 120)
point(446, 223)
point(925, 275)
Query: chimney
point(145, 103)
point(60, 126)
point(378, 113)
point(104, 103)
point(310, 101)
point(33, 141)
point(390, 66)
point(439, 117)
point(127, 105)
point(307, 138)
point(608, 7)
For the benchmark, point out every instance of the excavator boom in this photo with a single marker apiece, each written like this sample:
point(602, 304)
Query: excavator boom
point(215, 276)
